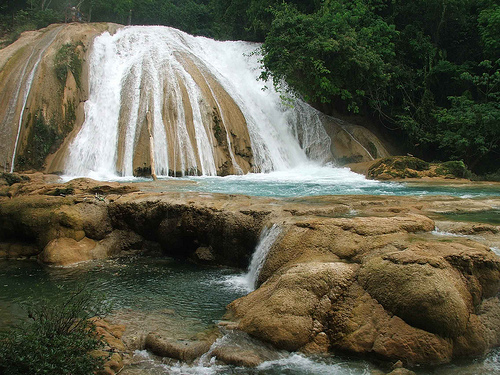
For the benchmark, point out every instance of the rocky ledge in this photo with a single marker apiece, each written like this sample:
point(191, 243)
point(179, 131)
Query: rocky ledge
point(362, 274)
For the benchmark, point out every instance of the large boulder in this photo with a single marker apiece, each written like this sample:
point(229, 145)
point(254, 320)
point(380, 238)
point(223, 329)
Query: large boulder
point(374, 285)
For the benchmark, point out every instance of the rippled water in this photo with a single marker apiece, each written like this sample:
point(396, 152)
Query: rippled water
point(191, 297)
point(181, 290)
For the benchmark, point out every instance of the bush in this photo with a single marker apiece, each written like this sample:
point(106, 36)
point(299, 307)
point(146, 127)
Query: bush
point(455, 168)
point(57, 338)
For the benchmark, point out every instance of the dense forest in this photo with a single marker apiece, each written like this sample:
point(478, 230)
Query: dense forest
point(426, 71)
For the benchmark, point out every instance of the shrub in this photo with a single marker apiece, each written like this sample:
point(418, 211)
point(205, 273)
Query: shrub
point(57, 338)
point(455, 168)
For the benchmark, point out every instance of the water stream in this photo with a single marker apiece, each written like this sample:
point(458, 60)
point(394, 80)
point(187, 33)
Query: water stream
point(22, 91)
point(266, 240)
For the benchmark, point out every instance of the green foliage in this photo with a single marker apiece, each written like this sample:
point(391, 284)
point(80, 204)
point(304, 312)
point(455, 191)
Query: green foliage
point(42, 139)
point(219, 133)
point(57, 338)
point(338, 53)
point(469, 129)
point(68, 59)
point(15, 19)
point(489, 29)
point(454, 168)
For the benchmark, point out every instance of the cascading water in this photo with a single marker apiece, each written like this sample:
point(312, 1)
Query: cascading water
point(267, 238)
point(19, 98)
point(195, 90)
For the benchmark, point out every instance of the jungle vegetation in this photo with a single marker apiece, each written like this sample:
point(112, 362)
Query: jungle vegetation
point(427, 71)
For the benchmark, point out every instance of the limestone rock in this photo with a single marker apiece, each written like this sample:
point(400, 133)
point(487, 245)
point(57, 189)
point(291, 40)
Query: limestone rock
point(401, 371)
point(204, 255)
point(65, 251)
point(281, 311)
point(424, 294)
point(380, 284)
point(184, 351)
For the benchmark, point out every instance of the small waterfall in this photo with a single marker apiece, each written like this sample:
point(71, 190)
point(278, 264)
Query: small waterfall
point(185, 82)
point(267, 238)
point(38, 51)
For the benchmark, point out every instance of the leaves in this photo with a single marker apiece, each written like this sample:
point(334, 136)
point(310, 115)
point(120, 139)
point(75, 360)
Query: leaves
point(338, 52)
point(58, 337)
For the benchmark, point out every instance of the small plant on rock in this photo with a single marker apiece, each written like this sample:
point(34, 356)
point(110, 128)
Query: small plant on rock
point(58, 338)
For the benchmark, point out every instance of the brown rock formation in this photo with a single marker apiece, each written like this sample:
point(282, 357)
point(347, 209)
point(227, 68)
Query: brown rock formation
point(54, 103)
point(367, 285)
point(379, 284)
point(44, 84)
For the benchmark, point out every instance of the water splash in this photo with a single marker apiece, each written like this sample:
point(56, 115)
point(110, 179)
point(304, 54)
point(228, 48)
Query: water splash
point(182, 81)
point(267, 239)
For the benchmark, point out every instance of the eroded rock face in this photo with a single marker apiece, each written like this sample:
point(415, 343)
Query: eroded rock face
point(372, 286)
point(380, 284)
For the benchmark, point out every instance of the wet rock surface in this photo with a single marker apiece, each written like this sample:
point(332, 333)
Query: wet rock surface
point(380, 283)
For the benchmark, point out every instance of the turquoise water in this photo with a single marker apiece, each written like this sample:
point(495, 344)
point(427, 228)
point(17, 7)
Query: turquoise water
point(193, 295)
point(487, 216)
point(187, 292)
point(309, 180)
point(314, 180)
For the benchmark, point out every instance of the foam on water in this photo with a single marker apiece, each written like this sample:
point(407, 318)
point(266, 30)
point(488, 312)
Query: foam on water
point(438, 232)
point(300, 364)
point(291, 363)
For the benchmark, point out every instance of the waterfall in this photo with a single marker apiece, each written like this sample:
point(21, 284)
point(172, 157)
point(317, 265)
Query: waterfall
point(267, 238)
point(24, 92)
point(187, 83)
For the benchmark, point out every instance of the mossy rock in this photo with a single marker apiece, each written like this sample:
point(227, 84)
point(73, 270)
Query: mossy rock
point(454, 168)
point(398, 167)
point(13, 178)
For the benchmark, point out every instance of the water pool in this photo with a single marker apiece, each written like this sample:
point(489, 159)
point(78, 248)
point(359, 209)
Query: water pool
point(315, 180)
point(188, 299)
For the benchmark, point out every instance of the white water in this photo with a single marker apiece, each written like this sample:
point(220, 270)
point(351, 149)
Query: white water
point(439, 232)
point(247, 282)
point(140, 69)
point(266, 240)
point(285, 363)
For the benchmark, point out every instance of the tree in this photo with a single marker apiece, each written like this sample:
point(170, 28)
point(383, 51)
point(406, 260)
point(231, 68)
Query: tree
point(339, 53)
